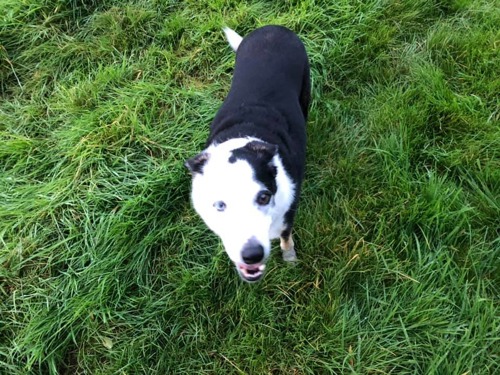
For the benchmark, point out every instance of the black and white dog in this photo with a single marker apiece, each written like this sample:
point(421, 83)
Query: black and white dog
point(246, 183)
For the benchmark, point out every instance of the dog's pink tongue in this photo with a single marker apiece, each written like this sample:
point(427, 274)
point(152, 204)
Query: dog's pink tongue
point(250, 267)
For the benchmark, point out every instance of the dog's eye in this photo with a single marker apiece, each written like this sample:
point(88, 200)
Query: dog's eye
point(220, 206)
point(263, 198)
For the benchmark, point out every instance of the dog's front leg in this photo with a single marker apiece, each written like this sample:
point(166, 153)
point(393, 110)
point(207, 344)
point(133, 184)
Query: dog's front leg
point(287, 246)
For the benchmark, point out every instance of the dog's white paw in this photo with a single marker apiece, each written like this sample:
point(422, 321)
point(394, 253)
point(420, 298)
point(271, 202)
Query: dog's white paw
point(289, 255)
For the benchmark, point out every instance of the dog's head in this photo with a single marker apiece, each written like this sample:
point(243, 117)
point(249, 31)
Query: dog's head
point(234, 190)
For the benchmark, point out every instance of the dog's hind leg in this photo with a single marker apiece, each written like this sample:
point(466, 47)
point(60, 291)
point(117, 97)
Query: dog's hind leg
point(287, 246)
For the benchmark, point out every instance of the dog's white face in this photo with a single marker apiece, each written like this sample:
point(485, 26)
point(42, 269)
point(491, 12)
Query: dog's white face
point(242, 193)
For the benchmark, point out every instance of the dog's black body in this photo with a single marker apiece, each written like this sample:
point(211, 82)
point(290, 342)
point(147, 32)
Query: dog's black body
point(268, 100)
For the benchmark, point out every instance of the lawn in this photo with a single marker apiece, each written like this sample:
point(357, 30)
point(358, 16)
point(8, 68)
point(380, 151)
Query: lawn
point(106, 269)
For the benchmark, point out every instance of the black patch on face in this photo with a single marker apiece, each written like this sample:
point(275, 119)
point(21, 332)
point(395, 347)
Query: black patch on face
point(259, 155)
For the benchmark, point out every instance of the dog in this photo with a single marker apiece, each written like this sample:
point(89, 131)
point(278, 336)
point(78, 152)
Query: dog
point(246, 182)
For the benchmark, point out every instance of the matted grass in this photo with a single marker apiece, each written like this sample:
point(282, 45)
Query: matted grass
point(104, 266)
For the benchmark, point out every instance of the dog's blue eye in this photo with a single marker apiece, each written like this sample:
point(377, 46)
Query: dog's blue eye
point(263, 198)
point(220, 206)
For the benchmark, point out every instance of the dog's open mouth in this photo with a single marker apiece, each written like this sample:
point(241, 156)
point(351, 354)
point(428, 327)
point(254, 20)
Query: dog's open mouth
point(251, 272)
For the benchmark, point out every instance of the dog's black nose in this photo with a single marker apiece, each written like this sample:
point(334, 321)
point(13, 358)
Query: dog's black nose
point(252, 252)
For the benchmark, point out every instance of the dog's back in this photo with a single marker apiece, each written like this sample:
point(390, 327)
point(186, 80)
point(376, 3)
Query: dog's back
point(268, 62)
point(269, 95)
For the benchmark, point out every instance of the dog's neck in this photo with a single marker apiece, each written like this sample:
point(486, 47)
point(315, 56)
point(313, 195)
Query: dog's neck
point(249, 120)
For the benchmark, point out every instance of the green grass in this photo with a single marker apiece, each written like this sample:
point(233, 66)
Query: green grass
point(106, 269)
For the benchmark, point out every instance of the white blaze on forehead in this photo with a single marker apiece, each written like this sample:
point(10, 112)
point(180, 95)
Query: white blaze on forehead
point(223, 180)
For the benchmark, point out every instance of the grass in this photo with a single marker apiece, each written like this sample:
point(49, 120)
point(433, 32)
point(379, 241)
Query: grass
point(104, 266)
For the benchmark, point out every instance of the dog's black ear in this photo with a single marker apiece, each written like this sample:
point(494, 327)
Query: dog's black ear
point(196, 163)
point(263, 149)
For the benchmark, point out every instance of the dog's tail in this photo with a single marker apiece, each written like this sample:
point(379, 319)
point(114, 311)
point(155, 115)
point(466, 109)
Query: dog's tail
point(233, 38)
